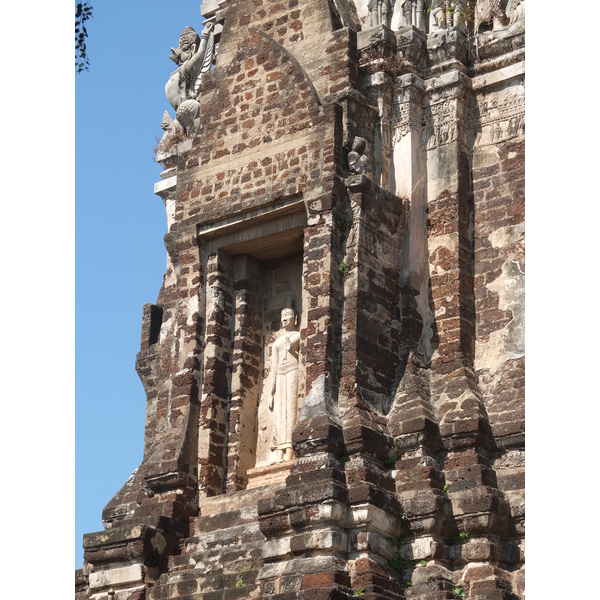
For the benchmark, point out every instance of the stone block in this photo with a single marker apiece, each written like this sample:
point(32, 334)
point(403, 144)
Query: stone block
point(116, 576)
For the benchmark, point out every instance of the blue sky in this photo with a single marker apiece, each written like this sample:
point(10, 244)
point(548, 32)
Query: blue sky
point(119, 223)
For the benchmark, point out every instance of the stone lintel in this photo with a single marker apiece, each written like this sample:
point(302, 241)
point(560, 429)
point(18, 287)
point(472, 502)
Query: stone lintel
point(260, 215)
point(266, 232)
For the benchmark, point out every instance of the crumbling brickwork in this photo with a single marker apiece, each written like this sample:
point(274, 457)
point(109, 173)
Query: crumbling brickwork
point(369, 178)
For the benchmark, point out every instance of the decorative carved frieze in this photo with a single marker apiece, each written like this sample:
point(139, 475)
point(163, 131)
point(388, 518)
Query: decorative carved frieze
point(407, 113)
point(498, 116)
point(445, 110)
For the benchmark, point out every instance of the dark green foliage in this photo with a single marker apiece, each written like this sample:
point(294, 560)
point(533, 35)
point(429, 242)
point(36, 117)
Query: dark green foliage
point(396, 563)
point(83, 12)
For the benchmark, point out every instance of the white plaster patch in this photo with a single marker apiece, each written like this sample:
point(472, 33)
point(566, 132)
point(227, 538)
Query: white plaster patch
point(116, 576)
point(193, 307)
point(165, 329)
point(367, 514)
point(170, 210)
point(449, 241)
point(332, 511)
point(443, 169)
point(507, 236)
point(485, 156)
point(421, 548)
point(425, 341)
point(275, 548)
point(508, 342)
point(403, 176)
point(216, 300)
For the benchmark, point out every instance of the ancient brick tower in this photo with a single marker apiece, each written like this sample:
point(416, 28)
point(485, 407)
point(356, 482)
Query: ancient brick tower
point(334, 367)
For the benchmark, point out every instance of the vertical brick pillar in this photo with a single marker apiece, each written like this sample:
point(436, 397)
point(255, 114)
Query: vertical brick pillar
point(450, 235)
point(479, 510)
point(314, 431)
point(318, 428)
point(171, 425)
point(213, 425)
point(246, 370)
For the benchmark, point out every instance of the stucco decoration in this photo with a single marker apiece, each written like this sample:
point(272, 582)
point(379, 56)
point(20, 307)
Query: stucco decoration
point(193, 57)
point(283, 398)
point(380, 12)
point(357, 160)
point(498, 15)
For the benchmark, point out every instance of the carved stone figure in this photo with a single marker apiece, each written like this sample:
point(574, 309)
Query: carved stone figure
point(283, 398)
point(357, 160)
point(193, 57)
point(445, 14)
point(437, 18)
point(173, 133)
point(491, 11)
point(380, 12)
point(406, 6)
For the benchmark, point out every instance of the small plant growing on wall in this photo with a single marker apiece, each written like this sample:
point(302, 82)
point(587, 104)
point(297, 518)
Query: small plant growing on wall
point(240, 582)
point(390, 461)
point(344, 268)
point(397, 564)
point(343, 225)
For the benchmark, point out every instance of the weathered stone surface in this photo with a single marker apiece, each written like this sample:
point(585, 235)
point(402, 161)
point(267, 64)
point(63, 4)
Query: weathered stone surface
point(363, 163)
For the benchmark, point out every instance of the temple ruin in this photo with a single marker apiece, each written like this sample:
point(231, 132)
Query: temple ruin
point(334, 366)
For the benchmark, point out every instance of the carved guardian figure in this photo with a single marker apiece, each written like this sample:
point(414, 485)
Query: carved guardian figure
point(193, 57)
